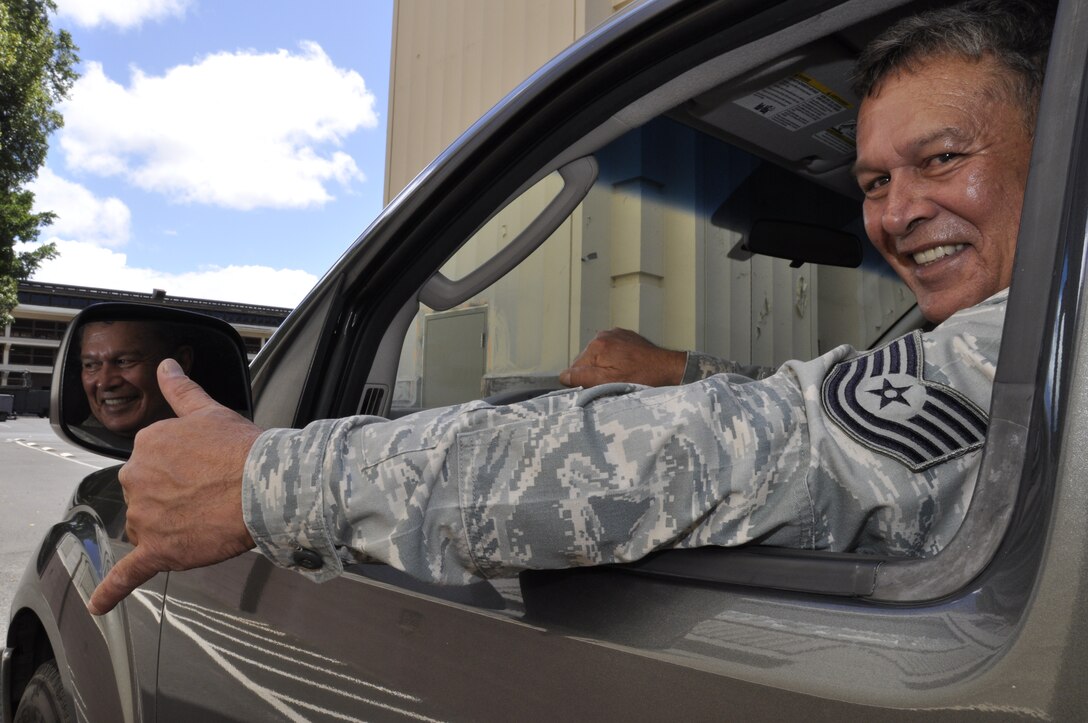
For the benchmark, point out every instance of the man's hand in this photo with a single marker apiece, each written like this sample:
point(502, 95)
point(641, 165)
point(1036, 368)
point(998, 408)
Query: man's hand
point(183, 486)
point(620, 355)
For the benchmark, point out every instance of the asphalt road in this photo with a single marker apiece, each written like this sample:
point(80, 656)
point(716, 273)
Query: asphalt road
point(38, 473)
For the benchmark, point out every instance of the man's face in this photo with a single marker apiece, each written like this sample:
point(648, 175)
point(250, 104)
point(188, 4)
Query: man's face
point(118, 371)
point(943, 159)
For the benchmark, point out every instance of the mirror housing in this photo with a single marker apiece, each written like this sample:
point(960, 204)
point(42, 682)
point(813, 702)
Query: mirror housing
point(128, 342)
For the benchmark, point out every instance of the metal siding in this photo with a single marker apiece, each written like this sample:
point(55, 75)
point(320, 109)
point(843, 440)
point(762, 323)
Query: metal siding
point(453, 60)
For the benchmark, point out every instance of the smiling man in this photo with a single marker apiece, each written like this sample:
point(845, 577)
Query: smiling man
point(943, 162)
point(118, 360)
point(859, 451)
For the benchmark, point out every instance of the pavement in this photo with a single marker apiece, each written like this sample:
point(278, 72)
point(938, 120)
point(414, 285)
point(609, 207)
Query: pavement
point(38, 473)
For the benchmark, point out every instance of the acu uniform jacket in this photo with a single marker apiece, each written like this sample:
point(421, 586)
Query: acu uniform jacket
point(873, 452)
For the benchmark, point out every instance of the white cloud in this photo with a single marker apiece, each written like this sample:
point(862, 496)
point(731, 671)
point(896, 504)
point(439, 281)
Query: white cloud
point(122, 13)
point(240, 130)
point(81, 216)
point(86, 264)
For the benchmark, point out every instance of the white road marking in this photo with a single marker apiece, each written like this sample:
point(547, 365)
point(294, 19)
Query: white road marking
point(50, 451)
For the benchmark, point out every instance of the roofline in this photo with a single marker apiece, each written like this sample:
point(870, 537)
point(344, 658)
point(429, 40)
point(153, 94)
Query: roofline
point(154, 297)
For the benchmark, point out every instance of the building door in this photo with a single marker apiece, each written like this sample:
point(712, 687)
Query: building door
point(454, 355)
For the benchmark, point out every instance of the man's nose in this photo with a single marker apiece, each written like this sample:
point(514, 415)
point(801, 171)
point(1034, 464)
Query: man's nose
point(907, 205)
point(109, 375)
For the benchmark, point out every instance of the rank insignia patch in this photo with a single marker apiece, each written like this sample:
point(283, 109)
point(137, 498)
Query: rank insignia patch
point(881, 400)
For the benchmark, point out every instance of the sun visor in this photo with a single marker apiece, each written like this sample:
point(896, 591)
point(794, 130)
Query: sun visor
point(801, 107)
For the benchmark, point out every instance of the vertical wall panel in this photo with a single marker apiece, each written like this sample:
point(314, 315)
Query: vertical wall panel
point(453, 60)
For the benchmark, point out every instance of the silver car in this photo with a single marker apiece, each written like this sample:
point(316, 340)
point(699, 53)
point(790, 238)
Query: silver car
point(666, 93)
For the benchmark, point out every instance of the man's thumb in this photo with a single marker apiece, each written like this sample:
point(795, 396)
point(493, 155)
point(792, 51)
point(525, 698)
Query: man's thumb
point(182, 394)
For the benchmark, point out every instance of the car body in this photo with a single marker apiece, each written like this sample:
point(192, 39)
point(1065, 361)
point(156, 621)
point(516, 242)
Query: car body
point(990, 628)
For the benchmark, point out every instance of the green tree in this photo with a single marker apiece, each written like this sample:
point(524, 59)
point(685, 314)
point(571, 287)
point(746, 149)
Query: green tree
point(37, 69)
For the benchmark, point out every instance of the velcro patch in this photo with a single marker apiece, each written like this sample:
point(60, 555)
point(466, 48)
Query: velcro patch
point(881, 400)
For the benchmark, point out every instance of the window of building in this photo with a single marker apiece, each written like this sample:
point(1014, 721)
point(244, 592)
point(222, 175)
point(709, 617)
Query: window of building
point(31, 356)
point(38, 329)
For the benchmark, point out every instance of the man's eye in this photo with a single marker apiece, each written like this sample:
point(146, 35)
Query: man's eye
point(874, 184)
point(91, 366)
point(943, 158)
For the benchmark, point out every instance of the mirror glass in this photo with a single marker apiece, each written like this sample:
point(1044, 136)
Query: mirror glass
point(109, 389)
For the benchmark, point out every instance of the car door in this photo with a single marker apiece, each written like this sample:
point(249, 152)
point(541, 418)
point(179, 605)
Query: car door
point(713, 634)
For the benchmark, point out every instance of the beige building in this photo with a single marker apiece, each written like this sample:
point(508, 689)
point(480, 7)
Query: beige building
point(634, 254)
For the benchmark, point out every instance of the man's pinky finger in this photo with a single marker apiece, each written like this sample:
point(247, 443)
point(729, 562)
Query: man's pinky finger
point(127, 575)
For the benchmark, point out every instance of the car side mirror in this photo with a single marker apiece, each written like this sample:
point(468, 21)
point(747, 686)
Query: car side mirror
point(105, 387)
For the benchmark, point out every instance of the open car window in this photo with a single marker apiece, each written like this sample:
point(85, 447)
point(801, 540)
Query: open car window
point(656, 246)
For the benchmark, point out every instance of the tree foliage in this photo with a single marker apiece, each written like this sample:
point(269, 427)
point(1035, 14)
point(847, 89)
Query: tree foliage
point(37, 69)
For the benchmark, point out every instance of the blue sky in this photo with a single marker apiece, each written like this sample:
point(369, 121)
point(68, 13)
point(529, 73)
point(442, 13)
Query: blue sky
point(227, 149)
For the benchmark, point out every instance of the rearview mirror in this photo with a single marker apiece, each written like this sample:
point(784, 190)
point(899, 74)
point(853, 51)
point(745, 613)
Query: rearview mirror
point(804, 243)
point(105, 387)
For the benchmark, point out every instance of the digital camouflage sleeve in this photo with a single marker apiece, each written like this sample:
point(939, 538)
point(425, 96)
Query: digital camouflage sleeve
point(700, 366)
point(875, 452)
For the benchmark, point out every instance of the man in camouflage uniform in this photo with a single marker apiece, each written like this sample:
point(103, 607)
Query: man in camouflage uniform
point(873, 452)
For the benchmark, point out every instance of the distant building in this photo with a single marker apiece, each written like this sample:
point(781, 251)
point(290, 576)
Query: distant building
point(28, 346)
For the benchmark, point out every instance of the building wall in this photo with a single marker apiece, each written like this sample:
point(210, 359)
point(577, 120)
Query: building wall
point(454, 59)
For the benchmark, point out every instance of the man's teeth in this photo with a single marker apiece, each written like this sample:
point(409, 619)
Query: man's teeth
point(115, 401)
point(937, 252)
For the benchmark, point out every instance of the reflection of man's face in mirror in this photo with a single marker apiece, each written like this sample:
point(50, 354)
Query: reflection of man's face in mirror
point(118, 361)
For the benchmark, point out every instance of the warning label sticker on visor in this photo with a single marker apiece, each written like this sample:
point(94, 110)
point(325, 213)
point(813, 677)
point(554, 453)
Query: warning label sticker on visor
point(795, 103)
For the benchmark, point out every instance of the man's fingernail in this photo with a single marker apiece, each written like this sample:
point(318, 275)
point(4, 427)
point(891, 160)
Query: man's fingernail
point(170, 368)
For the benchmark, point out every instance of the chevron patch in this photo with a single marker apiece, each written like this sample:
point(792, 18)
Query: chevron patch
point(881, 400)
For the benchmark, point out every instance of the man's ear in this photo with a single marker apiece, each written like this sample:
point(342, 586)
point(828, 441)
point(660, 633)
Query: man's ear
point(183, 355)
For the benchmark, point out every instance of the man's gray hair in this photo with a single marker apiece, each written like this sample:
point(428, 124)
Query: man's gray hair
point(1014, 33)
